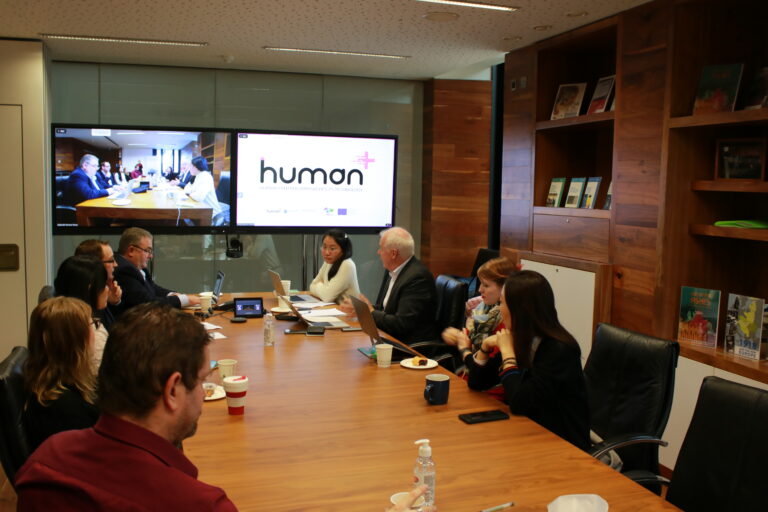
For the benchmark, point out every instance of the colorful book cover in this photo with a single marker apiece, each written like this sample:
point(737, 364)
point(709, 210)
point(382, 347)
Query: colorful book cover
point(573, 199)
point(699, 313)
point(602, 94)
point(590, 192)
point(718, 87)
point(744, 326)
point(569, 100)
point(555, 194)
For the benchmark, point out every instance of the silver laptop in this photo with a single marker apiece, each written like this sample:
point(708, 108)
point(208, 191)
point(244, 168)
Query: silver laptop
point(216, 290)
point(368, 325)
point(277, 283)
point(329, 322)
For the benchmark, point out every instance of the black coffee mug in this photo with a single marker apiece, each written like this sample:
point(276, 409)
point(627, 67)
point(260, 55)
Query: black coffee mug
point(436, 391)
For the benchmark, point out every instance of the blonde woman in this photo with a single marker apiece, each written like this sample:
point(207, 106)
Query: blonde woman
point(58, 373)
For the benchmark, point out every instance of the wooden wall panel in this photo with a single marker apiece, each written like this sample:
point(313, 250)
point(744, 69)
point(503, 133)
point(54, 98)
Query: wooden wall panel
point(456, 174)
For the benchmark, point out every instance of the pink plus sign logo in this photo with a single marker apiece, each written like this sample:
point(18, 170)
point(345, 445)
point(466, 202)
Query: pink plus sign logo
point(365, 160)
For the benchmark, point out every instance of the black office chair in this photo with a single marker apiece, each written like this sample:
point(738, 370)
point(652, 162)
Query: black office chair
point(630, 381)
point(483, 255)
point(222, 194)
point(14, 449)
point(451, 299)
point(721, 465)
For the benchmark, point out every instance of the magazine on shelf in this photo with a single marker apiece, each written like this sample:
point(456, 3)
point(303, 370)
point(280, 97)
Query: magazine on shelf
point(555, 194)
point(744, 327)
point(756, 95)
point(602, 95)
point(718, 87)
point(590, 192)
point(699, 313)
point(608, 195)
point(575, 191)
point(568, 101)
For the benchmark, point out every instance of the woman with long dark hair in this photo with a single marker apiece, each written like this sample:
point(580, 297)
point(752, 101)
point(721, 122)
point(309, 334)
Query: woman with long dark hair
point(58, 373)
point(337, 278)
point(535, 360)
point(86, 279)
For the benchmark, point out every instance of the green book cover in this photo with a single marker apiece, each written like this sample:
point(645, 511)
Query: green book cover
point(718, 87)
point(699, 313)
point(555, 194)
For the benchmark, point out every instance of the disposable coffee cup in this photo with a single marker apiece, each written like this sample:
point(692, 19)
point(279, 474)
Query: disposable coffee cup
point(236, 387)
point(227, 367)
point(206, 298)
point(286, 286)
point(436, 390)
point(383, 355)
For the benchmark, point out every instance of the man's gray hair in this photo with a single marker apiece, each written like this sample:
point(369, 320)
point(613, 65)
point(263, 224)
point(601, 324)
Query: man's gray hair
point(132, 236)
point(87, 157)
point(400, 239)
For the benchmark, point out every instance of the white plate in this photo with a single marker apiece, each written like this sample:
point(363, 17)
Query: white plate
point(218, 394)
point(280, 310)
point(408, 363)
point(121, 202)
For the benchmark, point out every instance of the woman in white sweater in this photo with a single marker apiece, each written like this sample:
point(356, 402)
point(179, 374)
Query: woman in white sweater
point(202, 189)
point(337, 278)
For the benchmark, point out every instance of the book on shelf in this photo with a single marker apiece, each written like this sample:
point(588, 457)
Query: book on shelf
point(575, 191)
point(568, 101)
point(590, 192)
point(608, 195)
point(602, 95)
point(699, 314)
point(756, 95)
point(744, 326)
point(555, 194)
point(718, 87)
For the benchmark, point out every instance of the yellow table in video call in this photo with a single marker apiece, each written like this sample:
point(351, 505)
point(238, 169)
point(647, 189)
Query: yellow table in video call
point(326, 429)
point(151, 205)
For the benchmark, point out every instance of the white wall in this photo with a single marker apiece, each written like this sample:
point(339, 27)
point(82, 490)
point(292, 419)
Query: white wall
point(25, 192)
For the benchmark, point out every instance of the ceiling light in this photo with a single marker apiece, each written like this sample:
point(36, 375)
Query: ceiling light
point(441, 16)
point(576, 14)
point(541, 28)
point(513, 39)
point(479, 5)
point(336, 52)
point(104, 39)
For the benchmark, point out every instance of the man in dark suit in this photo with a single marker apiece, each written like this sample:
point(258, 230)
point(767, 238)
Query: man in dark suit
point(134, 252)
point(104, 176)
point(81, 184)
point(407, 301)
point(185, 176)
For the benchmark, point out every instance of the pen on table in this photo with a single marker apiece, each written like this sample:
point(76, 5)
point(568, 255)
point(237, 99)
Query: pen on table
point(499, 507)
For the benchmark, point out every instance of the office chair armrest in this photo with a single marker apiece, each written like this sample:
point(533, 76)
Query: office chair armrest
point(643, 477)
point(614, 443)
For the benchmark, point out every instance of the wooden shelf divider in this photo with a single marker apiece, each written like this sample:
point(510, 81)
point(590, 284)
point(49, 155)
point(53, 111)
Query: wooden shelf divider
point(720, 118)
point(746, 186)
point(760, 235)
point(587, 119)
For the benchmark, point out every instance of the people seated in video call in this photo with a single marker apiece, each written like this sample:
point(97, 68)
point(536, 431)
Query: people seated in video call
point(337, 278)
point(407, 300)
point(82, 183)
point(202, 189)
point(134, 252)
point(104, 176)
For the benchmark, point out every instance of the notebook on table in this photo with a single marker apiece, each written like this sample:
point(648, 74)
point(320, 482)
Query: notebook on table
point(368, 325)
point(277, 283)
point(329, 322)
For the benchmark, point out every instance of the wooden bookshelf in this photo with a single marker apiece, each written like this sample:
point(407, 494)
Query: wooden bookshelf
point(760, 235)
point(568, 122)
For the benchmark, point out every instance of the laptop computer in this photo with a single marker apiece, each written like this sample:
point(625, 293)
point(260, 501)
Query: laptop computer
point(368, 325)
point(329, 322)
point(277, 283)
point(217, 285)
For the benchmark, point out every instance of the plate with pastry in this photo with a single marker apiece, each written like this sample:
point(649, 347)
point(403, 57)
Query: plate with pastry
point(418, 363)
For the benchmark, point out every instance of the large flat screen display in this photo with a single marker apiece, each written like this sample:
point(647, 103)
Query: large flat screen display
point(315, 181)
point(107, 178)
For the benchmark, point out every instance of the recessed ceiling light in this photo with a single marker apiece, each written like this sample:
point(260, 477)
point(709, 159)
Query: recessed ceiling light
point(479, 5)
point(336, 52)
point(513, 39)
point(576, 14)
point(541, 28)
point(105, 39)
point(441, 16)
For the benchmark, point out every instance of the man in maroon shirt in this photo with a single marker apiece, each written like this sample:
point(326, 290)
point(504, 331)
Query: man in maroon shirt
point(150, 397)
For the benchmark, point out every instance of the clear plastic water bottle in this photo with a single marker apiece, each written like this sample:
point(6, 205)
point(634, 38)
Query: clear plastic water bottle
point(269, 330)
point(424, 471)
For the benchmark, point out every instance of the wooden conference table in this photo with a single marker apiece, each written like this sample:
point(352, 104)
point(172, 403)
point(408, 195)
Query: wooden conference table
point(326, 429)
point(153, 204)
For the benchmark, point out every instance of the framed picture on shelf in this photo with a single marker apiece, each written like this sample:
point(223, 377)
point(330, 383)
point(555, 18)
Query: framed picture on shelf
point(575, 191)
point(717, 90)
point(568, 101)
point(757, 91)
point(590, 192)
point(740, 159)
point(608, 195)
point(602, 95)
point(555, 194)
